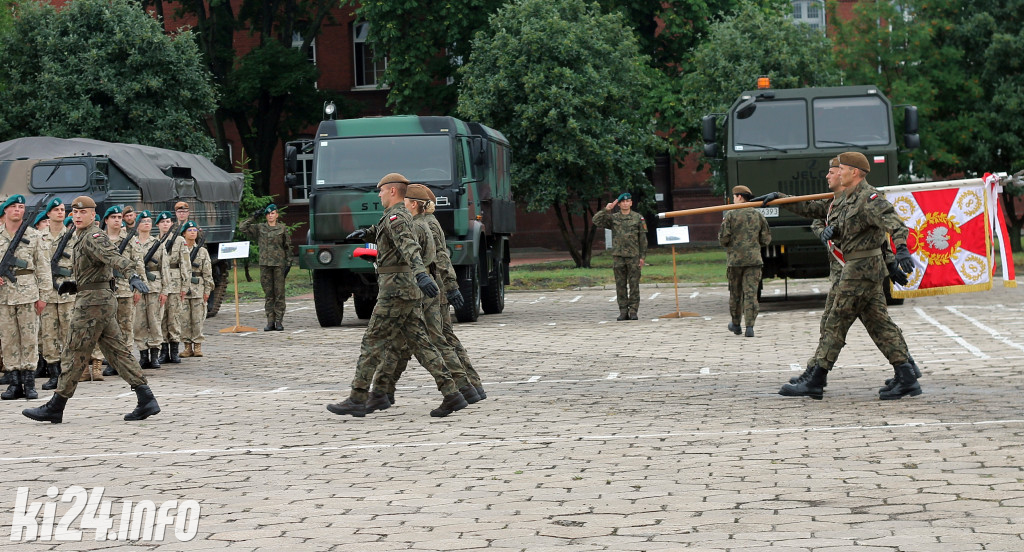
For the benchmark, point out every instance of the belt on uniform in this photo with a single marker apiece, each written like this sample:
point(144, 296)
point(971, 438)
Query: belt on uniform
point(108, 285)
point(862, 254)
point(24, 272)
point(175, 266)
point(393, 269)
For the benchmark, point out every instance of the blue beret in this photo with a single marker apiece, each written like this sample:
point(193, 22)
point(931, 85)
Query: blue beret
point(188, 225)
point(626, 195)
point(16, 198)
point(115, 210)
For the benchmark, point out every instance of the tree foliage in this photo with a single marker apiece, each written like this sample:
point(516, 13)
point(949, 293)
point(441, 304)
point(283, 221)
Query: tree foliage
point(566, 84)
point(102, 69)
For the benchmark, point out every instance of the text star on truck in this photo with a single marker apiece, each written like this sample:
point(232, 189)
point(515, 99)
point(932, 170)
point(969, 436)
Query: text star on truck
point(466, 165)
point(781, 140)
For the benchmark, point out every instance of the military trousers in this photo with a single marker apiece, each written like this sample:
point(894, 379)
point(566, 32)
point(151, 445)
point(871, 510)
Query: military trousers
point(192, 320)
point(272, 280)
point(93, 325)
point(19, 336)
point(126, 319)
point(395, 322)
point(743, 284)
point(172, 324)
point(396, 358)
point(53, 329)
point(863, 299)
point(627, 282)
point(450, 337)
point(148, 317)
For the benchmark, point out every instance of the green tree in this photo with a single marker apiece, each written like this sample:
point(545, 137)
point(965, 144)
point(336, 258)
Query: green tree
point(104, 70)
point(566, 84)
point(749, 43)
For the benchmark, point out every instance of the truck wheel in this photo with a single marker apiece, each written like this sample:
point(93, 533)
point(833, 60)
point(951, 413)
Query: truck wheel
point(492, 296)
point(469, 286)
point(887, 289)
point(364, 305)
point(330, 308)
point(220, 287)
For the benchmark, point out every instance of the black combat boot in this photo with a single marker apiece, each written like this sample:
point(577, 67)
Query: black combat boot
point(164, 355)
point(172, 355)
point(813, 386)
point(144, 361)
point(350, 407)
point(52, 411)
point(378, 401)
point(14, 390)
point(154, 358)
point(5, 379)
point(749, 332)
point(469, 393)
point(892, 381)
point(270, 325)
point(450, 404)
point(147, 404)
point(40, 367)
point(480, 391)
point(391, 398)
point(109, 371)
point(277, 326)
point(734, 328)
point(623, 315)
point(28, 384)
point(54, 369)
point(632, 315)
point(905, 383)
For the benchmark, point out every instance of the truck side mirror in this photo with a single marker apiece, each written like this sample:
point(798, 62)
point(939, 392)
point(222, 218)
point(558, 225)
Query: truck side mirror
point(291, 156)
point(708, 129)
point(910, 119)
point(711, 150)
point(911, 141)
point(746, 108)
point(476, 150)
point(290, 181)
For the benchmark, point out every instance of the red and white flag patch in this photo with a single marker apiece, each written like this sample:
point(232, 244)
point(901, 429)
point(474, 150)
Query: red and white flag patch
point(392, 217)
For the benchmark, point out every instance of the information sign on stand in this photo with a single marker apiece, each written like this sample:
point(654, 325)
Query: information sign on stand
point(672, 235)
point(235, 251)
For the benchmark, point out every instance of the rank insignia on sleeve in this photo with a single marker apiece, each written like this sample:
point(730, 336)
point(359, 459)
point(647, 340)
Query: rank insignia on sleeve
point(392, 217)
point(873, 196)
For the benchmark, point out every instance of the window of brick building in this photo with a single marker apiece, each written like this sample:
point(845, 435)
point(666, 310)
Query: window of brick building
point(369, 73)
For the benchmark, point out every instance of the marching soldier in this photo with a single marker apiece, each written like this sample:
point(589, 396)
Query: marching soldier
point(53, 322)
point(196, 291)
point(92, 320)
point(149, 309)
point(398, 316)
point(179, 271)
point(20, 304)
point(744, 232)
point(629, 248)
point(274, 241)
point(127, 298)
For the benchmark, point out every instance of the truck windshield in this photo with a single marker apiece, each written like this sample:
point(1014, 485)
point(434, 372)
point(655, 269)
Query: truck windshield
point(775, 125)
point(364, 160)
point(59, 177)
point(861, 121)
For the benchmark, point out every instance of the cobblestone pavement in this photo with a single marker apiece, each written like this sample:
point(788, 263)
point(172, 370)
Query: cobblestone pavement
point(658, 434)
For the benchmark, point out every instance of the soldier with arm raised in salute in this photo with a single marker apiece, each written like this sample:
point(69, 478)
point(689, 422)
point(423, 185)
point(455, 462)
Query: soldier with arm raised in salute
point(629, 249)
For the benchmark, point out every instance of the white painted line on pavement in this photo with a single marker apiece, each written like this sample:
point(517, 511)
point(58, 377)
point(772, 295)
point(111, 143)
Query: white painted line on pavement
point(994, 333)
point(795, 367)
point(252, 311)
point(298, 331)
point(657, 293)
point(694, 294)
point(612, 299)
point(541, 439)
point(815, 290)
point(778, 291)
point(612, 375)
point(705, 370)
point(298, 309)
point(243, 334)
point(280, 390)
point(550, 324)
point(533, 379)
point(950, 333)
point(577, 298)
point(537, 300)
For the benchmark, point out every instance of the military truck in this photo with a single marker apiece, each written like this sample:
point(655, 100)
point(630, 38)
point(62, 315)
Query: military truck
point(466, 165)
point(128, 174)
point(782, 140)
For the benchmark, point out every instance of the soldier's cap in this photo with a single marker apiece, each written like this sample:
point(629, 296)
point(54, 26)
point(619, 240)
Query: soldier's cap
point(181, 205)
point(144, 215)
point(113, 210)
point(83, 202)
point(625, 195)
point(856, 160)
point(270, 208)
point(96, 217)
point(39, 218)
point(188, 225)
point(67, 220)
point(128, 209)
point(419, 192)
point(16, 198)
point(53, 203)
point(392, 178)
point(741, 190)
point(834, 162)
point(165, 215)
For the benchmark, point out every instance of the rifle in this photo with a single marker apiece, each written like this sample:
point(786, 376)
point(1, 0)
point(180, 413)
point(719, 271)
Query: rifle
point(200, 242)
point(172, 232)
point(59, 255)
point(152, 252)
point(128, 238)
point(9, 261)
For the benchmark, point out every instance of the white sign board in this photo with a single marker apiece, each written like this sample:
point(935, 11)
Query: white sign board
point(672, 235)
point(233, 250)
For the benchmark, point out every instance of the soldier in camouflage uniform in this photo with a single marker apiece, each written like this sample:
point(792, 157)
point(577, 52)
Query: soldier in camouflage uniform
point(150, 308)
point(128, 217)
point(744, 232)
point(20, 304)
point(397, 317)
point(274, 242)
point(629, 249)
point(127, 298)
point(179, 270)
point(397, 357)
point(197, 291)
point(858, 224)
point(92, 320)
point(54, 320)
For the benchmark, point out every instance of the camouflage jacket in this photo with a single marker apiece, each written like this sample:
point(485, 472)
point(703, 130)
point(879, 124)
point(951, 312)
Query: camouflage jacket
point(122, 288)
point(629, 232)
point(861, 222)
point(744, 232)
point(31, 279)
point(398, 254)
point(49, 242)
point(179, 269)
point(95, 260)
point(274, 241)
point(443, 272)
point(156, 271)
point(201, 270)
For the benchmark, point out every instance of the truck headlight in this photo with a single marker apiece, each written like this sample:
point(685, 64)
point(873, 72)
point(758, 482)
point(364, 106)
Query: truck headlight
point(325, 256)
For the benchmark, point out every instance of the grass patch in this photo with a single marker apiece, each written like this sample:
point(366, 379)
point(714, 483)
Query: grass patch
point(692, 266)
point(298, 282)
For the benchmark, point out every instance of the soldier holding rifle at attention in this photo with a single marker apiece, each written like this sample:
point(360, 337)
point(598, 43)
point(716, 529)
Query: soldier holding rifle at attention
point(180, 272)
point(150, 308)
point(629, 248)
point(127, 297)
point(54, 320)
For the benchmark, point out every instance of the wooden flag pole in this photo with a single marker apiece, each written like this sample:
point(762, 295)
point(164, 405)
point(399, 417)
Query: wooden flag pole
point(731, 206)
point(675, 280)
point(238, 327)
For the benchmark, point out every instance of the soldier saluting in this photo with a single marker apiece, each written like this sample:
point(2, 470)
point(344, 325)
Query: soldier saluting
point(629, 248)
point(93, 319)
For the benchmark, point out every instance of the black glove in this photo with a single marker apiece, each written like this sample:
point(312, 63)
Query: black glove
point(764, 199)
point(67, 286)
point(897, 275)
point(828, 233)
point(455, 299)
point(357, 235)
point(904, 258)
point(427, 285)
point(137, 284)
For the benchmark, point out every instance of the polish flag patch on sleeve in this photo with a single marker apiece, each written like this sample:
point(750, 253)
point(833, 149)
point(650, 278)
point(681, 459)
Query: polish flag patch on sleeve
point(392, 217)
point(873, 196)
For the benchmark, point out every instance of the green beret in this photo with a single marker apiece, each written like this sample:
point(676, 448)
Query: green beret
point(97, 217)
point(39, 218)
point(165, 215)
point(188, 225)
point(144, 214)
point(115, 210)
point(625, 195)
point(67, 220)
point(53, 203)
point(16, 198)
point(271, 207)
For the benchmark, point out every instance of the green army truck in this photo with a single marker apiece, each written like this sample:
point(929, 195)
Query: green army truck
point(782, 140)
point(144, 177)
point(466, 165)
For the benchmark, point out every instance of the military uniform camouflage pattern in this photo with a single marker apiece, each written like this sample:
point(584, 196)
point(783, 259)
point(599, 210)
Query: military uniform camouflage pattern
point(123, 291)
point(274, 243)
point(93, 319)
point(178, 274)
point(743, 233)
point(149, 312)
point(629, 247)
point(19, 329)
point(200, 283)
point(56, 316)
point(397, 318)
point(448, 280)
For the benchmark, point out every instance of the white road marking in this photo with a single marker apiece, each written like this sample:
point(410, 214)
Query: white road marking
point(612, 299)
point(577, 298)
point(298, 309)
point(252, 311)
point(950, 333)
point(694, 294)
point(533, 379)
point(298, 331)
point(990, 331)
point(537, 300)
point(653, 296)
point(550, 324)
point(705, 370)
point(815, 290)
point(795, 367)
point(612, 375)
